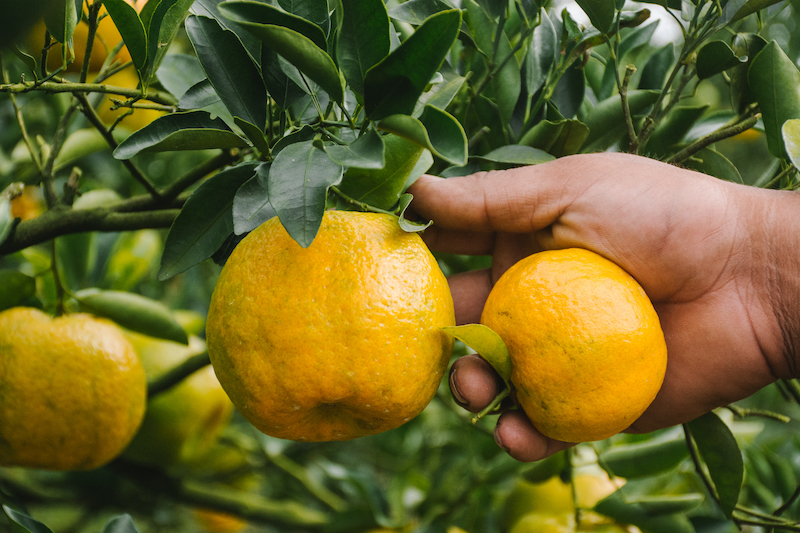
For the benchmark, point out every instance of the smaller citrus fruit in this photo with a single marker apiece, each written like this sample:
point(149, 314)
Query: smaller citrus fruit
point(214, 521)
point(335, 341)
point(587, 351)
point(135, 118)
point(29, 204)
point(72, 390)
point(181, 424)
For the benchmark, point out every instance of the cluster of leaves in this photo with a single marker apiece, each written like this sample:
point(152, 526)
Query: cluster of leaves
point(295, 106)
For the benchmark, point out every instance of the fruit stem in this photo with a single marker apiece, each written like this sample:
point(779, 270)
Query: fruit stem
point(502, 395)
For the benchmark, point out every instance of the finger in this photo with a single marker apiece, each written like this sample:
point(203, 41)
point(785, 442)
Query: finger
point(453, 241)
point(516, 435)
point(473, 382)
point(470, 290)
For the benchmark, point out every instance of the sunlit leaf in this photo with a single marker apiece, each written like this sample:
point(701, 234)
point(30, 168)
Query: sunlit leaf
point(436, 130)
point(517, 155)
point(558, 138)
point(791, 140)
point(487, 344)
point(166, 20)
point(131, 29)
point(647, 458)
point(410, 226)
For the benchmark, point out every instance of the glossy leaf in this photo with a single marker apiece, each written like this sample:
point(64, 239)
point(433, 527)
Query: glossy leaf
point(749, 45)
point(382, 187)
point(671, 131)
point(254, 133)
point(210, 9)
point(516, 154)
point(791, 140)
point(180, 72)
point(541, 54)
point(617, 507)
point(251, 206)
point(204, 222)
point(279, 86)
point(600, 12)
point(15, 288)
point(606, 121)
point(230, 70)
point(655, 71)
point(192, 130)
point(61, 19)
point(365, 152)
point(722, 457)
point(363, 40)
point(299, 180)
point(25, 522)
point(731, 15)
point(300, 51)
point(716, 57)
point(668, 504)
point(410, 226)
point(134, 312)
point(436, 130)
point(261, 13)
point(775, 82)
point(315, 11)
point(487, 344)
point(166, 20)
point(199, 95)
point(394, 85)
point(416, 11)
point(646, 458)
point(559, 138)
point(120, 524)
point(713, 163)
point(131, 29)
point(441, 94)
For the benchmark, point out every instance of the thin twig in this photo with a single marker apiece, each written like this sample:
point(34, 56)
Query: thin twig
point(177, 374)
point(711, 138)
point(158, 97)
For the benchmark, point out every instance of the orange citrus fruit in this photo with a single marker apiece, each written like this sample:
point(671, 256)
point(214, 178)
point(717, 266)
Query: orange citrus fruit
point(72, 390)
point(587, 351)
point(335, 341)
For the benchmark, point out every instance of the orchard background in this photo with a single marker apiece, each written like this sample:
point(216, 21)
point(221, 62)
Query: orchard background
point(128, 215)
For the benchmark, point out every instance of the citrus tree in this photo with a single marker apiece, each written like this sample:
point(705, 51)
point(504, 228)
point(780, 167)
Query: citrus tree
point(127, 184)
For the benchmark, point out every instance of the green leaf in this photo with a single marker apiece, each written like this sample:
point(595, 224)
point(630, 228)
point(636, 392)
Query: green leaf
point(261, 13)
point(280, 86)
point(180, 72)
point(230, 70)
point(713, 163)
point(315, 11)
point(61, 19)
point(775, 82)
point(671, 131)
point(26, 522)
point(716, 57)
point(606, 121)
point(619, 508)
point(191, 130)
point(363, 40)
point(654, 73)
point(251, 206)
point(204, 222)
point(487, 344)
point(436, 130)
point(721, 454)
point(130, 27)
point(668, 504)
point(541, 471)
point(600, 12)
point(749, 7)
point(299, 180)
point(210, 9)
point(394, 85)
point(15, 288)
point(120, 524)
point(299, 50)
point(365, 152)
point(646, 458)
point(166, 20)
point(415, 12)
point(744, 44)
point(791, 140)
point(409, 226)
point(559, 138)
point(382, 187)
point(541, 54)
point(441, 94)
point(200, 95)
point(135, 256)
point(134, 312)
point(516, 154)
point(7, 220)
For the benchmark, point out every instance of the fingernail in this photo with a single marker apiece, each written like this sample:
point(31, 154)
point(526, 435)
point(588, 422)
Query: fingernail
point(498, 439)
point(454, 389)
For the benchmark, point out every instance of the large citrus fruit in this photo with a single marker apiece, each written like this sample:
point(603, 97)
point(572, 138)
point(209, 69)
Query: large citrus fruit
point(587, 351)
point(334, 341)
point(72, 390)
point(182, 424)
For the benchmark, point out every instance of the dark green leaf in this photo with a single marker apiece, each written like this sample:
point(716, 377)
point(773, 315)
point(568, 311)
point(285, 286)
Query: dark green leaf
point(251, 206)
point(541, 54)
point(416, 11)
point(134, 312)
point(791, 140)
point(749, 45)
point(382, 187)
point(306, 133)
point(713, 163)
point(774, 79)
point(750, 7)
point(279, 86)
point(210, 9)
point(394, 85)
point(671, 131)
point(363, 41)
point(300, 51)
point(569, 92)
point(441, 94)
point(541, 471)
point(559, 138)
point(62, 18)
point(619, 508)
point(721, 454)
point(299, 180)
point(364, 152)
point(120, 524)
point(516, 154)
point(255, 134)
point(716, 57)
point(131, 29)
point(179, 72)
point(192, 130)
point(655, 70)
point(606, 121)
point(637, 38)
point(315, 11)
point(15, 288)
point(27, 523)
point(204, 222)
point(261, 13)
point(229, 69)
point(199, 95)
point(77, 254)
point(436, 130)
point(600, 12)
point(487, 344)
point(646, 458)
point(166, 20)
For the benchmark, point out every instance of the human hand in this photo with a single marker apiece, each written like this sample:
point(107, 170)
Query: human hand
point(707, 252)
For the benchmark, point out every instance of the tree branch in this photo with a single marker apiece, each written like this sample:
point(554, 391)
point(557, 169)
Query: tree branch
point(158, 97)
